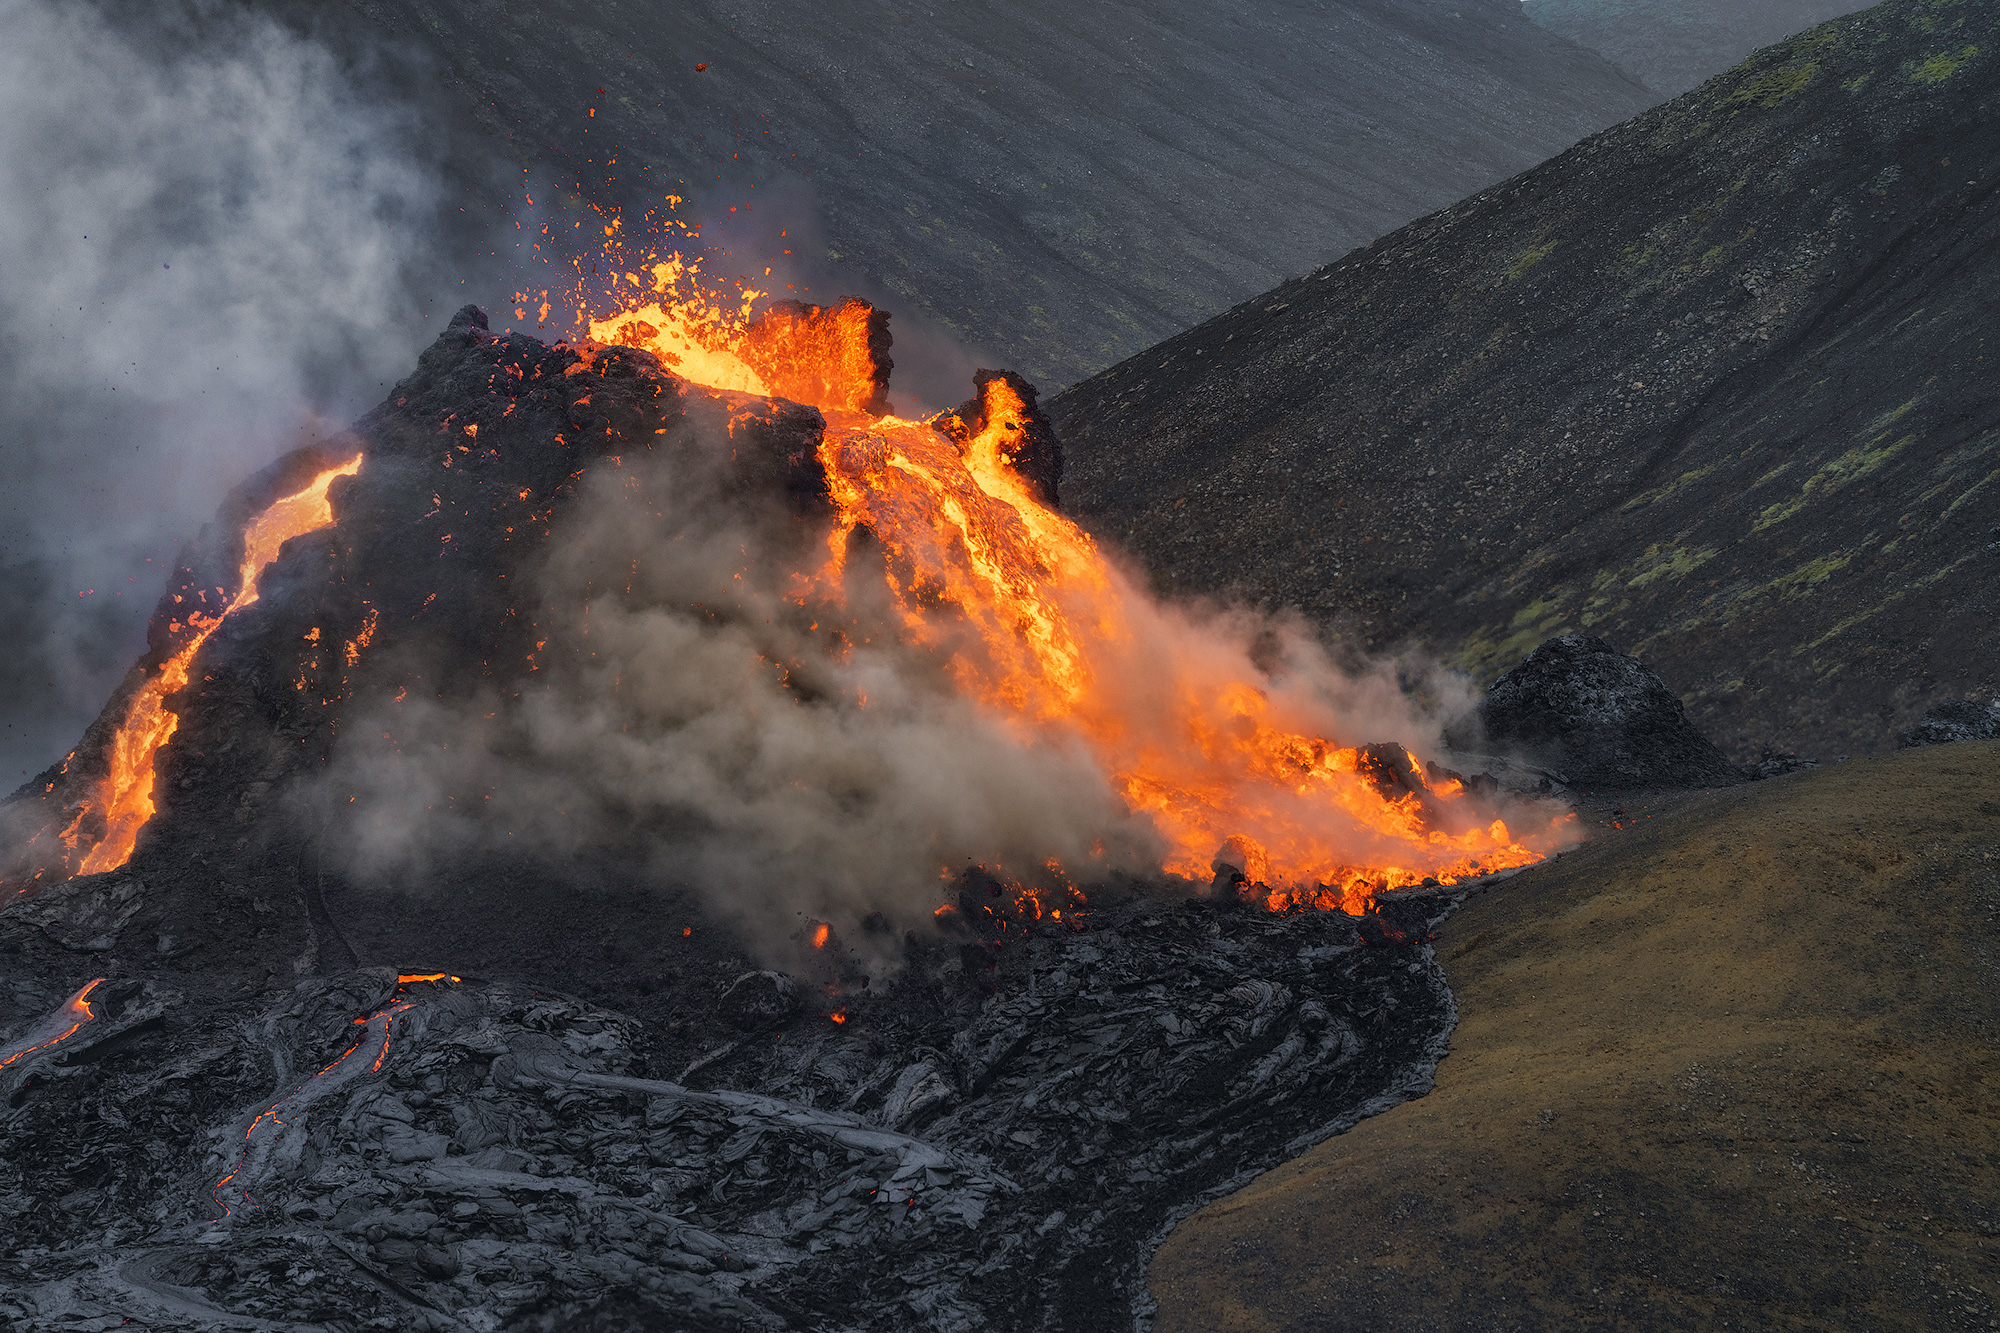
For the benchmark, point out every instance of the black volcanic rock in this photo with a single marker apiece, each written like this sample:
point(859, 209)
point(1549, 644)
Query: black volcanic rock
point(758, 1000)
point(1952, 721)
point(1600, 718)
point(313, 1094)
point(1717, 384)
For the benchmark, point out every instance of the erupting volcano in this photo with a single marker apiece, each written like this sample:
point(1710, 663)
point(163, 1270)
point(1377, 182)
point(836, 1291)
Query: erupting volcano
point(651, 662)
point(1243, 772)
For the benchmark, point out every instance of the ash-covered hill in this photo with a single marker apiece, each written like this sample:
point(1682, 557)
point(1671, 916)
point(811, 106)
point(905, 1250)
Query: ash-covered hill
point(1060, 185)
point(1674, 45)
point(1713, 385)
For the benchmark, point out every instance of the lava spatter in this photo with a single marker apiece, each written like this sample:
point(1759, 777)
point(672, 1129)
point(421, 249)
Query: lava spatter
point(1231, 764)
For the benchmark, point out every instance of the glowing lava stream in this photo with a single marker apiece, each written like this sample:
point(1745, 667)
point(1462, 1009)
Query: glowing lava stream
point(57, 1028)
point(276, 1135)
point(125, 794)
point(1229, 762)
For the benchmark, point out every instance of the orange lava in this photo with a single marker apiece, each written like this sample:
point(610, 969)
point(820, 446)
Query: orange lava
point(77, 1008)
point(124, 796)
point(1230, 764)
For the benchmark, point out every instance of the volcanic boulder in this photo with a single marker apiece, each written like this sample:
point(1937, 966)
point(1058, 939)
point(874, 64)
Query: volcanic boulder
point(1955, 720)
point(1033, 448)
point(1601, 718)
point(759, 1000)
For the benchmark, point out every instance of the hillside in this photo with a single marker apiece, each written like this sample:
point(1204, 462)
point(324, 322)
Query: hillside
point(1712, 385)
point(1058, 186)
point(1798, 1140)
point(1053, 187)
point(1675, 45)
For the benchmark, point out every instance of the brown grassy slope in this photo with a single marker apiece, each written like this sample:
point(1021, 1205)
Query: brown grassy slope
point(1734, 1067)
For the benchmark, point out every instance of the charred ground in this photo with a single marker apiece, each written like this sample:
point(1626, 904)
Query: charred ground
point(1713, 385)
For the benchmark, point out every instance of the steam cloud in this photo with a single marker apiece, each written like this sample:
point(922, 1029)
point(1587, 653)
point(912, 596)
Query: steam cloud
point(208, 228)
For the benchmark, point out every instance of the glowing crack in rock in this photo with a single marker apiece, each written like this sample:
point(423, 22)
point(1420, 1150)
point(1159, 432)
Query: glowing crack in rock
point(123, 798)
point(273, 1138)
point(56, 1028)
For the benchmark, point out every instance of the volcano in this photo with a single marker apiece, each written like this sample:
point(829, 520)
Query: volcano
point(479, 915)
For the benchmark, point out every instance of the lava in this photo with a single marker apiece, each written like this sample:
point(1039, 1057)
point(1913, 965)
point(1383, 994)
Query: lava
point(123, 799)
point(1237, 768)
point(57, 1027)
point(276, 1132)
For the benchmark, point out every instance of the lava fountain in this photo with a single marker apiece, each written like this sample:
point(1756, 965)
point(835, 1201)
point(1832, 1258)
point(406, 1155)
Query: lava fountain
point(1243, 772)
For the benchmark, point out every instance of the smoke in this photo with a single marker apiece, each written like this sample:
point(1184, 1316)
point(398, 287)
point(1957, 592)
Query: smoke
point(702, 706)
point(208, 226)
point(689, 703)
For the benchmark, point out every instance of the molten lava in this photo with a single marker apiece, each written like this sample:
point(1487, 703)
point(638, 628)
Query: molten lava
point(58, 1027)
point(123, 798)
point(1239, 770)
point(264, 1139)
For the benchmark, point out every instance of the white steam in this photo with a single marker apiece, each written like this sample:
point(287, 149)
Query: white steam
point(206, 230)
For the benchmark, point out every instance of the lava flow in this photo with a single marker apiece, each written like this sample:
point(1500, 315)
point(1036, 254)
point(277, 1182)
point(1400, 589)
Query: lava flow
point(122, 800)
point(57, 1027)
point(1239, 768)
point(276, 1134)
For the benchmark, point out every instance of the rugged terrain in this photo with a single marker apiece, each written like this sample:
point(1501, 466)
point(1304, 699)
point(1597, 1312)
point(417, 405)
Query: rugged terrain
point(246, 1079)
point(1728, 1066)
point(1713, 385)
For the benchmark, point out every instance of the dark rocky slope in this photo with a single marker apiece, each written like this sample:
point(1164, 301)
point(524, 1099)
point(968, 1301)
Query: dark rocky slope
point(1058, 185)
point(1713, 385)
point(1674, 45)
point(277, 1104)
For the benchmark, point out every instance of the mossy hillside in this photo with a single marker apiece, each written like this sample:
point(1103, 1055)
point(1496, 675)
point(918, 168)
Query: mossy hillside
point(1715, 384)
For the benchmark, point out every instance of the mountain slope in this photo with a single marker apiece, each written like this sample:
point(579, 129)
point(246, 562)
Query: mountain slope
point(1675, 45)
point(1058, 185)
point(1713, 385)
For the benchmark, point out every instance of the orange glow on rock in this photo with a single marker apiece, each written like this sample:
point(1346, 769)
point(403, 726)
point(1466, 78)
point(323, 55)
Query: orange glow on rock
point(77, 1009)
point(1233, 766)
point(123, 798)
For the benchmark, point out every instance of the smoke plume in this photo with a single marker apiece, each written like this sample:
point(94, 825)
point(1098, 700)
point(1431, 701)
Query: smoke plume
point(208, 226)
point(702, 704)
